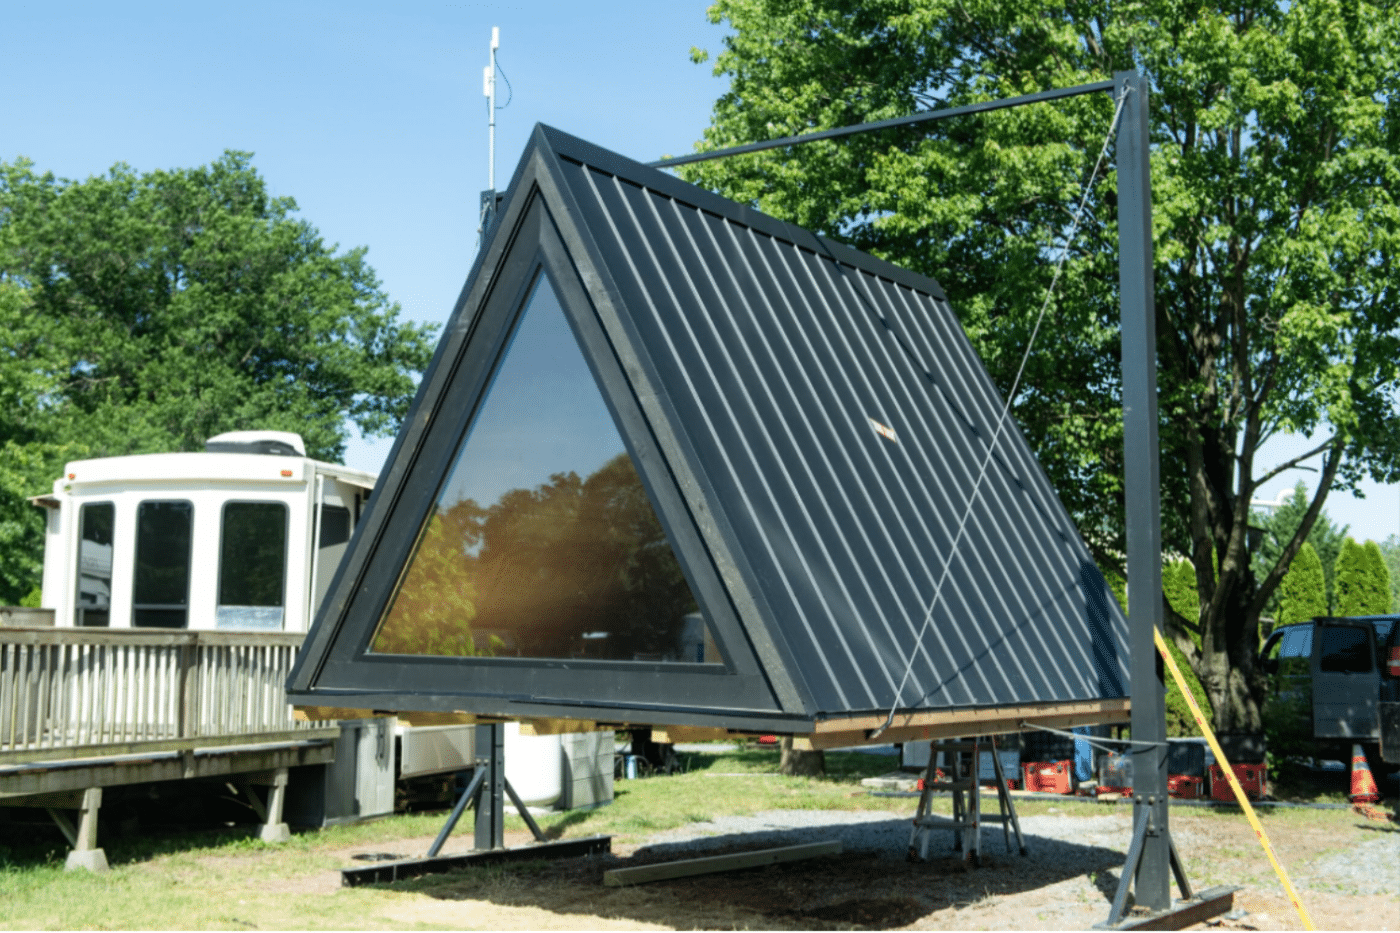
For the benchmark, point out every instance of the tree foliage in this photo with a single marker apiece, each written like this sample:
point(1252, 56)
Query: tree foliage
point(1276, 160)
point(1303, 592)
point(147, 311)
point(1178, 585)
point(1390, 553)
point(1280, 525)
point(1363, 583)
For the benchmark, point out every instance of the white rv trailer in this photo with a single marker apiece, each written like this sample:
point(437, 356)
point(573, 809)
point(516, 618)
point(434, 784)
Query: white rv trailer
point(242, 537)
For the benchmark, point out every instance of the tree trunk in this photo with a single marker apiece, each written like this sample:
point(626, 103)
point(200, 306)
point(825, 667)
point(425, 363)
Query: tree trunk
point(1229, 644)
point(800, 763)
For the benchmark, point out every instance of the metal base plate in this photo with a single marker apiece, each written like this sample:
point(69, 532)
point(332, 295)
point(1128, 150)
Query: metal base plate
point(1211, 902)
point(388, 872)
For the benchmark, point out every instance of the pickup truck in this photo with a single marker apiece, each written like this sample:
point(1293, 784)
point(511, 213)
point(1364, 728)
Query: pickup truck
point(1328, 678)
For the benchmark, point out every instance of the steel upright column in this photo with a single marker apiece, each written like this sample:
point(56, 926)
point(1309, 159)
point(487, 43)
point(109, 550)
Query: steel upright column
point(490, 810)
point(1142, 494)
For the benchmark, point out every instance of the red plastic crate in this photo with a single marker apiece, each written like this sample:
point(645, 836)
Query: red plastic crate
point(1185, 786)
point(1047, 777)
point(1253, 779)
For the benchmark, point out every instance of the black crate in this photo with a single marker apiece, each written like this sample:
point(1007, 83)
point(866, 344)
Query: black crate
point(1244, 748)
point(1187, 758)
point(1046, 746)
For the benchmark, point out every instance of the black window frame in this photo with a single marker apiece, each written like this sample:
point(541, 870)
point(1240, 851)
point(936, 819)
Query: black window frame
point(78, 566)
point(538, 685)
point(286, 558)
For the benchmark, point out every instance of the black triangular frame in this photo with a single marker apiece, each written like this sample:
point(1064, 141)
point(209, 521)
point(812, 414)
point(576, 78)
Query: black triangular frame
point(587, 219)
point(532, 237)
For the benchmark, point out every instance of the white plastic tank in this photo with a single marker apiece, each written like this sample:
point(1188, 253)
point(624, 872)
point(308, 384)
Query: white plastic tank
point(534, 766)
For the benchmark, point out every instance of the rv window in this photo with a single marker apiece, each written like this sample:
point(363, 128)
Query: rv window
point(92, 603)
point(331, 538)
point(1346, 649)
point(544, 543)
point(335, 525)
point(252, 565)
point(160, 590)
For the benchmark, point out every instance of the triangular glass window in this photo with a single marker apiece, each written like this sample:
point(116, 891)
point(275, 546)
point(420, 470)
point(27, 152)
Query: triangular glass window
point(543, 542)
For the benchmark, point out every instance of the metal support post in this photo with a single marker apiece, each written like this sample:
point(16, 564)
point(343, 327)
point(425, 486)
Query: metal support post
point(1148, 869)
point(490, 806)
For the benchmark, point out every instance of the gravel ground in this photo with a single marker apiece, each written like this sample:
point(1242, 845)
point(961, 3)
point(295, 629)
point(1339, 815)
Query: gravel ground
point(1070, 874)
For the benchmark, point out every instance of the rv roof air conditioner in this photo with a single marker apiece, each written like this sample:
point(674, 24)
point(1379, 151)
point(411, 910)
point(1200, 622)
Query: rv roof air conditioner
point(277, 443)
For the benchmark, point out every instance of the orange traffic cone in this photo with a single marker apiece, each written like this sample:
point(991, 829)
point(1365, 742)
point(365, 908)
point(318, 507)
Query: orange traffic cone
point(1363, 785)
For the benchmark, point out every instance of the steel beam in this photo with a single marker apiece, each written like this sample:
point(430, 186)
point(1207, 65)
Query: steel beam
point(389, 872)
point(1151, 875)
point(923, 116)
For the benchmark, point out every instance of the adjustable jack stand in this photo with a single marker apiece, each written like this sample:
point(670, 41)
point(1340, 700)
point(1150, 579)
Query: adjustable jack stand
point(487, 791)
point(1185, 912)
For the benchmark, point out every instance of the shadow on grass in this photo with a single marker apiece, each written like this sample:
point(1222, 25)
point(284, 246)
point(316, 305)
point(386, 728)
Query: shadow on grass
point(869, 884)
point(28, 846)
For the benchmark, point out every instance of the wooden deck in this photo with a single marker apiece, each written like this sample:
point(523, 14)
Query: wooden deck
point(83, 693)
point(83, 708)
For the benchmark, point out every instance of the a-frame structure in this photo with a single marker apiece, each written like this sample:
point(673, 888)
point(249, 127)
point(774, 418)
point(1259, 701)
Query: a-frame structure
point(678, 463)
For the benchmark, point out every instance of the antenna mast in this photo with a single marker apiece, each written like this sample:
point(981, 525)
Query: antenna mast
point(488, 89)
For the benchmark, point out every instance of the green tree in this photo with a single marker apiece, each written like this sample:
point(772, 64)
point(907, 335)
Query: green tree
point(1281, 524)
point(1363, 586)
point(1380, 573)
point(147, 311)
point(1179, 587)
point(1303, 591)
point(1390, 553)
point(1276, 158)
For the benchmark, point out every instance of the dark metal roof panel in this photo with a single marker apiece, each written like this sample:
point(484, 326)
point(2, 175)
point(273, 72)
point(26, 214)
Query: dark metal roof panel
point(776, 350)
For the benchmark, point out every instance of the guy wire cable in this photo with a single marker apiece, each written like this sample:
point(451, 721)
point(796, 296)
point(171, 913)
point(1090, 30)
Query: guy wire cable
point(1006, 409)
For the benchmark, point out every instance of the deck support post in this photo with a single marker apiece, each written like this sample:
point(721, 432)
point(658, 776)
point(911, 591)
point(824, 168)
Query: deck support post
point(274, 829)
point(85, 853)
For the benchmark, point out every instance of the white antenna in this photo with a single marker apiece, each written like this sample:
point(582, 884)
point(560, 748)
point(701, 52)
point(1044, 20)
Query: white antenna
point(489, 89)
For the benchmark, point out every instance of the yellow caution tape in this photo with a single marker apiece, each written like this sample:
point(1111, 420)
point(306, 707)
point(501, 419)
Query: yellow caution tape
point(1230, 776)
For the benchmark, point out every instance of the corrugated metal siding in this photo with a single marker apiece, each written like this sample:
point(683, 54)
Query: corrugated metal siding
point(775, 357)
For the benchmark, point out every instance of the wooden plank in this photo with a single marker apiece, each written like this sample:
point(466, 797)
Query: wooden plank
point(969, 716)
point(328, 713)
point(453, 718)
point(72, 752)
point(669, 735)
point(992, 722)
point(165, 766)
point(556, 726)
point(717, 863)
point(63, 635)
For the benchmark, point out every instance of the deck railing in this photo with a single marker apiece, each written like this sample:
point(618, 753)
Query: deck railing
point(80, 692)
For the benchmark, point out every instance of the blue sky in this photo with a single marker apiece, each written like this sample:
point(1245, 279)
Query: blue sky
point(371, 116)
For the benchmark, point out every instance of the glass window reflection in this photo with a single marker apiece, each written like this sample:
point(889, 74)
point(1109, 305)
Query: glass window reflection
point(544, 543)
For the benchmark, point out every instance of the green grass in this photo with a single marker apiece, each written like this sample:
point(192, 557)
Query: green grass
point(229, 879)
